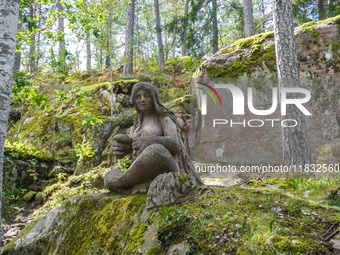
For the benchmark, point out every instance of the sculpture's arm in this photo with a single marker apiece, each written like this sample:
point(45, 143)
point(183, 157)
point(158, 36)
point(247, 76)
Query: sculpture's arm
point(170, 138)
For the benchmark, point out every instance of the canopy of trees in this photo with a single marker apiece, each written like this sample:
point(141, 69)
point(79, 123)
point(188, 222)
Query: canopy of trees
point(60, 35)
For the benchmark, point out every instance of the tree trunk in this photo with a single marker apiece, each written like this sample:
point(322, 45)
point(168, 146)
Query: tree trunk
point(17, 57)
point(263, 15)
point(159, 33)
point(38, 41)
point(88, 51)
point(62, 48)
point(184, 29)
point(294, 139)
point(130, 17)
point(32, 53)
point(215, 27)
point(248, 18)
point(108, 46)
point(107, 57)
point(330, 9)
point(32, 56)
point(9, 10)
point(173, 45)
point(321, 10)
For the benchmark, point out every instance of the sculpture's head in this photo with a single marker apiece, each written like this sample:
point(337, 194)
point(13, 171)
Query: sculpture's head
point(148, 92)
point(152, 91)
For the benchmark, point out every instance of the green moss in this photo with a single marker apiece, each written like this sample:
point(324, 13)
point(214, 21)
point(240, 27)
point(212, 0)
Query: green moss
point(334, 20)
point(158, 250)
point(291, 246)
point(182, 177)
point(247, 42)
point(111, 224)
point(137, 238)
point(259, 54)
point(255, 48)
point(246, 221)
point(35, 124)
point(27, 150)
point(239, 67)
point(124, 85)
point(336, 46)
point(314, 33)
point(56, 194)
point(29, 196)
point(95, 87)
point(230, 220)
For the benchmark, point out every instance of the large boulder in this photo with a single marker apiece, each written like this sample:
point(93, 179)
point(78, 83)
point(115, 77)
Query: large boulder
point(251, 62)
point(89, 224)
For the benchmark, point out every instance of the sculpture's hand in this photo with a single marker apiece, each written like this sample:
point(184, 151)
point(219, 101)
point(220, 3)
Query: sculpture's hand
point(136, 144)
point(144, 140)
point(121, 145)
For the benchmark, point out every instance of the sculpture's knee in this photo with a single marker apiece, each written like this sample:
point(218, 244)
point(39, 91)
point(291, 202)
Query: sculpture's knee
point(157, 150)
point(160, 155)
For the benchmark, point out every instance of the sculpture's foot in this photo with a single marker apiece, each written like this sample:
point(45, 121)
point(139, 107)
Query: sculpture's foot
point(141, 188)
point(113, 179)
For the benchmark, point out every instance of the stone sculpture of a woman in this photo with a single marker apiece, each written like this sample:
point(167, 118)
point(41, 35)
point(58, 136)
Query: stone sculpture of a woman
point(156, 143)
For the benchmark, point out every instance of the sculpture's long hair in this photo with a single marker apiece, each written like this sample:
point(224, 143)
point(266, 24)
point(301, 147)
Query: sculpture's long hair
point(157, 103)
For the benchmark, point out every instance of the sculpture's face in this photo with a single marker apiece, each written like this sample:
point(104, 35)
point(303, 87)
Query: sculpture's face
point(143, 100)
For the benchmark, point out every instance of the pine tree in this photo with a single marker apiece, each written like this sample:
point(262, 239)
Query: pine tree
point(159, 33)
point(130, 17)
point(248, 18)
point(295, 148)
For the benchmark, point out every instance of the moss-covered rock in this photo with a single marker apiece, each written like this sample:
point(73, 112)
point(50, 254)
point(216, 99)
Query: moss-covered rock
point(313, 39)
point(89, 224)
point(246, 221)
point(219, 220)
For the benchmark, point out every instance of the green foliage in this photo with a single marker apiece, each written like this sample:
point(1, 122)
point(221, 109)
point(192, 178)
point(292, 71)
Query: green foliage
point(85, 150)
point(124, 163)
point(20, 82)
point(61, 95)
point(25, 94)
point(304, 11)
point(184, 64)
point(66, 187)
point(90, 120)
point(26, 149)
point(20, 170)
